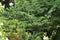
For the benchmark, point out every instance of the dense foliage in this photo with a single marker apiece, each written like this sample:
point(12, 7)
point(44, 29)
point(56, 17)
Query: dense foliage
point(32, 15)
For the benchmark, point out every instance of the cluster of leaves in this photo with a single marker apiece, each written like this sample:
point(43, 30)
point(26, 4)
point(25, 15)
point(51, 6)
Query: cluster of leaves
point(33, 15)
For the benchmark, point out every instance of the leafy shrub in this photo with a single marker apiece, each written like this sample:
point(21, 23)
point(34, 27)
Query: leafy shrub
point(36, 15)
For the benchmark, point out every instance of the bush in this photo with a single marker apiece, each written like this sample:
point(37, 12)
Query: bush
point(33, 15)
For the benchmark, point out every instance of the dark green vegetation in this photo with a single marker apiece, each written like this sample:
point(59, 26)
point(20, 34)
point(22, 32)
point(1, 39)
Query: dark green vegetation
point(28, 19)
